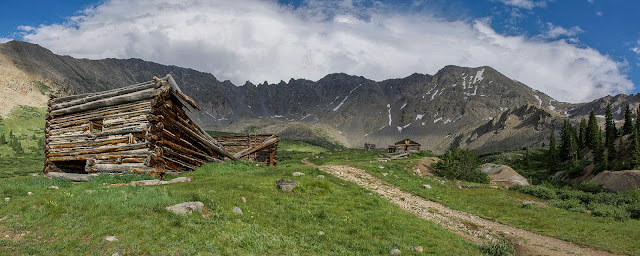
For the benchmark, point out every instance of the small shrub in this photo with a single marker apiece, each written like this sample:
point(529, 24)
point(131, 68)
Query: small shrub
point(634, 210)
point(591, 187)
point(568, 194)
point(609, 211)
point(461, 164)
point(573, 205)
point(499, 248)
point(537, 191)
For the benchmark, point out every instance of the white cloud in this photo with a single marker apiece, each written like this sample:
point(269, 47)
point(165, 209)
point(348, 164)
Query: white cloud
point(554, 31)
point(261, 40)
point(636, 48)
point(4, 40)
point(26, 28)
point(599, 13)
point(524, 4)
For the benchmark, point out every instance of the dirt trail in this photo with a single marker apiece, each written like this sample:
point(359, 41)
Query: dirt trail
point(464, 224)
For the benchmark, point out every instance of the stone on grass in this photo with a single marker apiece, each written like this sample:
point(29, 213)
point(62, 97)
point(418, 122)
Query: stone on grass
point(54, 187)
point(320, 233)
point(394, 251)
point(111, 238)
point(29, 193)
point(527, 204)
point(286, 185)
point(118, 253)
point(186, 207)
point(244, 200)
point(385, 174)
point(418, 248)
point(296, 174)
point(320, 176)
point(427, 186)
point(237, 210)
point(6, 199)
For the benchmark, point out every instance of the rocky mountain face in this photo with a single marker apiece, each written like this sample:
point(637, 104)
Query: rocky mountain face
point(477, 108)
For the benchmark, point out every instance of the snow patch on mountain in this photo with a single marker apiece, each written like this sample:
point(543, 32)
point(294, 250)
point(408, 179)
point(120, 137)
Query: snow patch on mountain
point(345, 98)
point(478, 76)
point(403, 105)
point(402, 127)
point(419, 117)
point(539, 100)
point(389, 106)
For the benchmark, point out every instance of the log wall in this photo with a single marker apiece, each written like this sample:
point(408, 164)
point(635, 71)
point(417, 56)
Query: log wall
point(256, 147)
point(139, 128)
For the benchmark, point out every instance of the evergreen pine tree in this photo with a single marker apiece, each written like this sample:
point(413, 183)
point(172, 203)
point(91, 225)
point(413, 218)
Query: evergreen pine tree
point(628, 121)
point(593, 131)
point(635, 150)
point(582, 136)
point(569, 146)
point(638, 119)
point(598, 149)
point(610, 134)
point(553, 152)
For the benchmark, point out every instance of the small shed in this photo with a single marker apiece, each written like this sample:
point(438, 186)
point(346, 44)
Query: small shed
point(369, 146)
point(256, 147)
point(405, 146)
point(141, 128)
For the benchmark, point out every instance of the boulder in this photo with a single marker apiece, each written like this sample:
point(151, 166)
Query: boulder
point(503, 175)
point(618, 180)
point(286, 185)
point(186, 207)
point(237, 210)
point(296, 174)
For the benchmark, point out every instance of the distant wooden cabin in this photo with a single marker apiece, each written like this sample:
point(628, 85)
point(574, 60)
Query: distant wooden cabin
point(141, 128)
point(404, 146)
point(256, 147)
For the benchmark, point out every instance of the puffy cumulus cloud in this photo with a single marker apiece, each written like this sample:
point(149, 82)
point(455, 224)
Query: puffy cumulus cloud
point(4, 40)
point(554, 31)
point(262, 40)
point(636, 49)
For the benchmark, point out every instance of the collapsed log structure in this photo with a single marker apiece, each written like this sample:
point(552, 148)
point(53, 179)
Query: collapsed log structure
point(140, 128)
point(257, 147)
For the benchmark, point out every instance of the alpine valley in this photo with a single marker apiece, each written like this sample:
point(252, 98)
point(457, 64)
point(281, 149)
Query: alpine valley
point(477, 108)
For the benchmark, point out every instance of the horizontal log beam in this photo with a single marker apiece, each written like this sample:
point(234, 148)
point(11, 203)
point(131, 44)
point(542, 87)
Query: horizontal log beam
point(103, 95)
point(78, 96)
point(122, 99)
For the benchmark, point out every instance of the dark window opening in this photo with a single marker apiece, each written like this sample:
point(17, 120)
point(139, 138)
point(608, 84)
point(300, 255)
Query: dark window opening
point(76, 166)
point(95, 126)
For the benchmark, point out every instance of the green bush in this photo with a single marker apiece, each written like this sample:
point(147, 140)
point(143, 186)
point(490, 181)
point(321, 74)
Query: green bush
point(499, 248)
point(574, 205)
point(461, 164)
point(609, 211)
point(591, 187)
point(537, 191)
point(634, 210)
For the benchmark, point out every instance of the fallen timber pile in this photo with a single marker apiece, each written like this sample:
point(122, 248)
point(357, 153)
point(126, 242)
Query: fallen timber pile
point(256, 147)
point(141, 128)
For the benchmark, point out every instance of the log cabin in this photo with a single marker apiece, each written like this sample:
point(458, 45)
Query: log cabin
point(142, 128)
point(254, 147)
point(404, 146)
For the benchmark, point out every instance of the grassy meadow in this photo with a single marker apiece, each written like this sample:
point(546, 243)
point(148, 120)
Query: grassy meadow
point(76, 218)
point(504, 206)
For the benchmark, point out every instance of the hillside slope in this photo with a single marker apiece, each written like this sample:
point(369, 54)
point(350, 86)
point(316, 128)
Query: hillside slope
point(430, 109)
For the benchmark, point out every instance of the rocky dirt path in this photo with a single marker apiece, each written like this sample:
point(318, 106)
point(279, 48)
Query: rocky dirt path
point(469, 226)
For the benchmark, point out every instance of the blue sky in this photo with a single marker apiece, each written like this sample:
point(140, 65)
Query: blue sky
point(572, 50)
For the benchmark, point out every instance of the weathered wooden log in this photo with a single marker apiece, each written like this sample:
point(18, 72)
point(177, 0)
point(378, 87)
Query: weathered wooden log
point(119, 161)
point(84, 95)
point(101, 150)
point(122, 99)
point(138, 153)
point(70, 176)
point(185, 150)
point(179, 163)
point(105, 95)
point(209, 143)
point(83, 127)
point(107, 112)
point(90, 143)
point(168, 152)
point(124, 167)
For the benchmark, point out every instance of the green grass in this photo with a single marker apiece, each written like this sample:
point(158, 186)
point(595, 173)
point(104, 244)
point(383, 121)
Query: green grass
point(500, 205)
point(24, 122)
point(75, 219)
